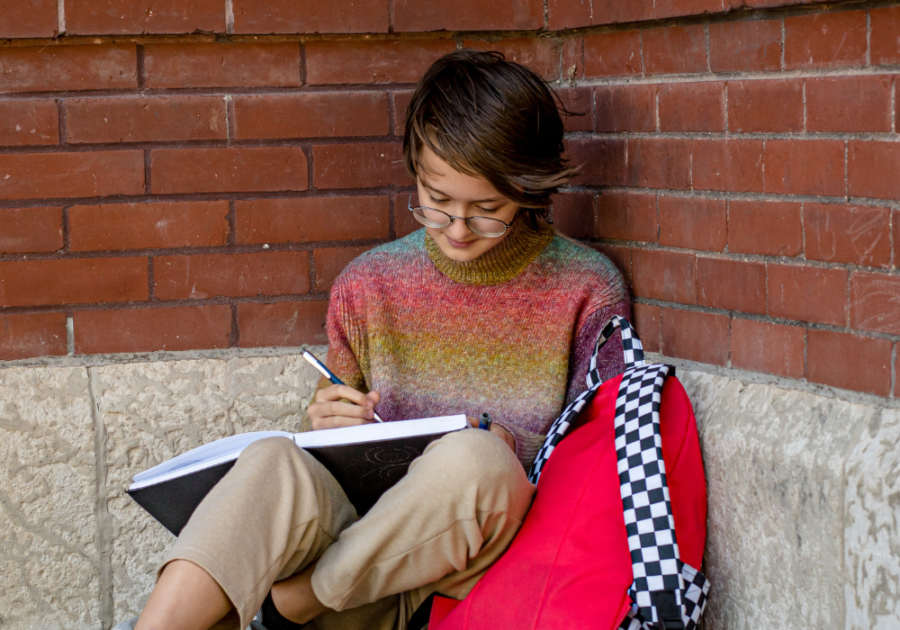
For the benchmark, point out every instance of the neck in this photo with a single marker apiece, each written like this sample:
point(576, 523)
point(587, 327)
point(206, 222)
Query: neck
point(500, 263)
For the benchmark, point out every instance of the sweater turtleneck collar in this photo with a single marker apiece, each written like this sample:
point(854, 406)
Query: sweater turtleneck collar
point(500, 263)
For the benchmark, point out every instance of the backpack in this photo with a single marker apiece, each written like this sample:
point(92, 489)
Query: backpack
point(598, 548)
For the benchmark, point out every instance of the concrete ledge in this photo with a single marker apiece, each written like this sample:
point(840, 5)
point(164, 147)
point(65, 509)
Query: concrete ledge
point(804, 486)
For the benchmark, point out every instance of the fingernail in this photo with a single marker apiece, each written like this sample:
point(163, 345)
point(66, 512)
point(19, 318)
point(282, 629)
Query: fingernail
point(369, 403)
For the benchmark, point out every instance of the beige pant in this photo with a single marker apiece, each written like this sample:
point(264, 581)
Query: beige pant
point(437, 530)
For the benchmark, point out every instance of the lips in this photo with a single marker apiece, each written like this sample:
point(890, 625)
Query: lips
point(458, 244)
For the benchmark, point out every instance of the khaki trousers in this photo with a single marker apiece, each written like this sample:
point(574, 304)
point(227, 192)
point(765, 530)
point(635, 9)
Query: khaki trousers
point(437, 530)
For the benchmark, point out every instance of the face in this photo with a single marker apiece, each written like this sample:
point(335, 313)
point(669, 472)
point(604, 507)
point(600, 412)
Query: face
point(444, 188)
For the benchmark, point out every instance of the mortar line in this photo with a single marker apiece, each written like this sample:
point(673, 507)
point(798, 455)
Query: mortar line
point(229, 17)
point(311, 259)
point(234, 338)
point(148, 190)
point(783, 43)
point(805, 109)
point(231, 218)
point(868, 38)
point(63, 122)
point(302, 61)
point(141, 67)
point(70, 333)
point(103, 519)
point(66, 230)
point(151, 280)
point(60, 17)
point(229, 119)
point(894, 371)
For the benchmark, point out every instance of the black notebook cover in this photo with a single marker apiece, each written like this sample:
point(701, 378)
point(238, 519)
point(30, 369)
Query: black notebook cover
point(364, 470)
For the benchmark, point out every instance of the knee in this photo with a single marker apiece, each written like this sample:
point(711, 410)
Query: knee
point(477, 455)
point(271, 449)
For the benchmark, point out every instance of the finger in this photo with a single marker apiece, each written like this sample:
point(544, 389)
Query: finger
point(337, 392)
point(343, 408)
point(335, 422)
point(375, 397)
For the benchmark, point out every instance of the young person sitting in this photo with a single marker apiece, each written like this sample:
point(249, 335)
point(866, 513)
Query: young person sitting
point(486, 309)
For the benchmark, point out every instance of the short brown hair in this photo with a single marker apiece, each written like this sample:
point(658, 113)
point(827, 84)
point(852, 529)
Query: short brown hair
point(489, 117)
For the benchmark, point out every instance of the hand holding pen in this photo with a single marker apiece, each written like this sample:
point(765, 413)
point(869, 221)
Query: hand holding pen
point(340, 405)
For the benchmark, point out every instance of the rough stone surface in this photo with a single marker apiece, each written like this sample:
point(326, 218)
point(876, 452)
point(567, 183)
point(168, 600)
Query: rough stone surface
point(872, 532)
point(804, 489)
point(48, 557)
point(775, 465)
point(154, 411)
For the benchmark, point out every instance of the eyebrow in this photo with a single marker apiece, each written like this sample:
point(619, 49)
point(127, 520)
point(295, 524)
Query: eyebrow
point(433, 189)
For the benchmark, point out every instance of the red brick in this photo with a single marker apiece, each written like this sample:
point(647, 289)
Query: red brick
point(745, 46)
point(393, 61)
point(735, 165)
point(848, 234)
point(656, 163)
point(825, 40)
point(152, 329)
point(769, 105)
point(65, 68)
point(404, 220)
point(135, 17)
point(602, 162)
point(315, 115)
point(692, 223)
point(619, 256)
point(228, 170)
point(625, 108)
point(565, 14)
point(29, 18)
point(627, 217)
point(282, 324)
point(849, 103)
point(297, 16)
point(701, 337)
point(662, 275)
point(541, 54)
point(330, 262)
point(401, 103)
point(312, 219)
point(895, 223)
point(770, 348)
point(692, 107)
point(33, 335)
point(579, 102)
point(148, 225)
point(572, 67)
point(675, 50)
point(808, 294)
point(467, 15)
point(852, 362)
point(56, 175)
point(764, 227)
point(885, 36)
point(42, 282)
point(573, 214)
point(875, 303)
point(146, 119)
point(28, 122)
point(805, 167)
point(673, 8)
point(359, 165)
point(222, 65)
point(733, 285)
point(872, 169)
point(233, 275)
point(647, 322)
point(26, 230)
point(612, 54)
point(618, 12)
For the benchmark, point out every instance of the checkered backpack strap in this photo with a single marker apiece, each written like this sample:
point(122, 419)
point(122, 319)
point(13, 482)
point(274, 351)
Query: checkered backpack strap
point(634, 356)
point(667, 594)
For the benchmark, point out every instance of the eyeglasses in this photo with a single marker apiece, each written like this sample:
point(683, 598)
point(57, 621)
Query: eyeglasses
point(482, 226)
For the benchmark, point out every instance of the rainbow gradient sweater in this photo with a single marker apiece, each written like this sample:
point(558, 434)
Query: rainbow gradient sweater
point(510, 333)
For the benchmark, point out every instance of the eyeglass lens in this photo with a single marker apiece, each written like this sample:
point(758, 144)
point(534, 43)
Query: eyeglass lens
point(483, 226)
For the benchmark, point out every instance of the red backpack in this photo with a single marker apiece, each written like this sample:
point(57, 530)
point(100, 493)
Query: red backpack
point(598, 548)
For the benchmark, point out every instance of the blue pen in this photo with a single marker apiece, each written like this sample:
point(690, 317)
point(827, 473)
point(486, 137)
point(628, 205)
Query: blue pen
point(485, 421)
point(329, 374)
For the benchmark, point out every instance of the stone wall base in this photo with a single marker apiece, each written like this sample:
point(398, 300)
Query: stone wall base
point(804, 487)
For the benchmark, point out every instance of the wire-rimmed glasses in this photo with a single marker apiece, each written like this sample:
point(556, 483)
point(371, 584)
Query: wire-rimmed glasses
point(482, 226)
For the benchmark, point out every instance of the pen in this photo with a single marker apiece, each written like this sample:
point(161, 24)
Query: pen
point(485, 421)
point(329, 374)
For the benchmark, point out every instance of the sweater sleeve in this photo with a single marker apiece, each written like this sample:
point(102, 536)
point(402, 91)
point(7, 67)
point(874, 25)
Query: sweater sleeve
point(610, 360)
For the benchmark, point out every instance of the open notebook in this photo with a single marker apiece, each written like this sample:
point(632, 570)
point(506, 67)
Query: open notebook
point(366, 460)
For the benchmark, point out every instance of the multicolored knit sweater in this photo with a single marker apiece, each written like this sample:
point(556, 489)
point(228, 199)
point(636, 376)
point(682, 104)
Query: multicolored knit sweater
point(510, 333)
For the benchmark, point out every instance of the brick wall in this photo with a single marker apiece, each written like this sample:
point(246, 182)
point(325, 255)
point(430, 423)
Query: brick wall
point(181, 176)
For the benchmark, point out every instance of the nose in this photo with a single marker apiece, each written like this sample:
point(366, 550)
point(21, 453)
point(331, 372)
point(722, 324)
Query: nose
point(458, 230)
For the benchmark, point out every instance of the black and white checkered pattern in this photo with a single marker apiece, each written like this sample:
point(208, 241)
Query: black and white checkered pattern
point(642, 477)
point(634, 356)
point(646, 504)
